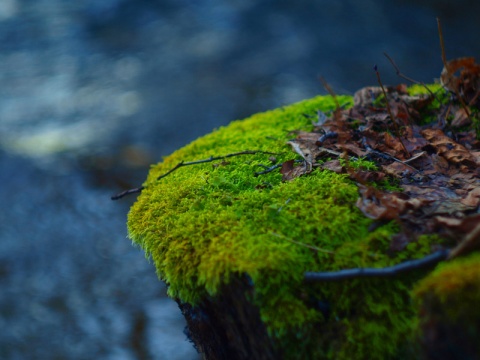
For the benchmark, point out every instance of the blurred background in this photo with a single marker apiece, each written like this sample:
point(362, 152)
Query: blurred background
point(92, 92)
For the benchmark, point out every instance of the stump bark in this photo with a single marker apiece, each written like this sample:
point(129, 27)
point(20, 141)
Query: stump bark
point(228, 326)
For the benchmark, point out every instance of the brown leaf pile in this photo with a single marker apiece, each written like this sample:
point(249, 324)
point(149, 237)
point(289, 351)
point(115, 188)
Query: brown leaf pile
point(436, 165)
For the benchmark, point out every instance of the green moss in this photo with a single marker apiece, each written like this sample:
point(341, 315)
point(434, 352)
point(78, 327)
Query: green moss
point(359, 164)
point(455, 286)
point(205, 223)
point(428, 113)
point(449, 315)
point(417, 89)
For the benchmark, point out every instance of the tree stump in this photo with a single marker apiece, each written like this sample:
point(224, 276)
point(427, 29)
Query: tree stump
point(235, 219)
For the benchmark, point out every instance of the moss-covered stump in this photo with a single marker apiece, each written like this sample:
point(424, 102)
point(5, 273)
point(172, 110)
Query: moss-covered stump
point(449, 310)
point(233, 249)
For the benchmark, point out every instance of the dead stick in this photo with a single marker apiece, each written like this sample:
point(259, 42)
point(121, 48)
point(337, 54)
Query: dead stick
point(391, 271)
point(399, 73)
point(183, 163)
point(442, 44)
point(127, 192)
point(213, 158)
point(330, 91)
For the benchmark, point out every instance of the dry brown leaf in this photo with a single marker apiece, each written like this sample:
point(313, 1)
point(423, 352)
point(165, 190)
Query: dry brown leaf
point(461, 118)
point(448, 148)
point(290, 171)
point(473, 198)
point(467, 83)
point(333, 165)
point(366, 177)
point(395, 144)
point(380, 205)
point(440, 175)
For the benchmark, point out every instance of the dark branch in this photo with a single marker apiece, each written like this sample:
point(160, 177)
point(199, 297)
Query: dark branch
point(127, 192)
point(213, 158)
point(391, 271)
point(183, 163)
point(330, 91)
point(442, 44)
point(268, 169)
point(399, 73)
point(271, 168)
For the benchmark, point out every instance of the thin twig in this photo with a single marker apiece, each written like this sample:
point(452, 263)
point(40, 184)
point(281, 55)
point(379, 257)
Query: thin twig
point(391, 271)
point(442, 44)
point(415, 157)
point(213, 158)
point(271, 168)
point(397, 131)
point(399, 73)
point(330, 91)
point(127, 192)
point(268, 169)
point(183, 163)
point(333, 152)
point(386, 156)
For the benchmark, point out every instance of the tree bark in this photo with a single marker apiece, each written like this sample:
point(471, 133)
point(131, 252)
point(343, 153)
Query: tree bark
point(228, 326)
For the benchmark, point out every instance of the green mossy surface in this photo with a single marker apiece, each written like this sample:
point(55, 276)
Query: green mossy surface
point(455, 288)
point(204, 223)
point(449, 316)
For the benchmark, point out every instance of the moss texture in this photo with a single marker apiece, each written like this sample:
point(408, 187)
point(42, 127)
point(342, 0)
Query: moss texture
point(205, 223)
point(448, 308)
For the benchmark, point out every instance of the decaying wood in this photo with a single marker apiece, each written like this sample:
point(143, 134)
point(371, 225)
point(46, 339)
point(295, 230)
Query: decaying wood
point(228, 326)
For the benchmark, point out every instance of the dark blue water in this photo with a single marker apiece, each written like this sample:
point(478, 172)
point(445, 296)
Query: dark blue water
point(94, 91)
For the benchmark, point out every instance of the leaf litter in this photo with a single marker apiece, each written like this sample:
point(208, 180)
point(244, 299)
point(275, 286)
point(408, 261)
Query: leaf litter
point(427, 144)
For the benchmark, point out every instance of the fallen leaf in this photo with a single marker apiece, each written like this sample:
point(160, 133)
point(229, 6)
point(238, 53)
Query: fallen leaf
point(467, 83)
point(448, 148)
point(290, 171)
point(473, 198)
point(333, 165)
point(436, 165)
point(461, 118)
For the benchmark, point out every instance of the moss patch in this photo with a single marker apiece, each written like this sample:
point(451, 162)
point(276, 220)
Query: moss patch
point(205, 223)
point(456, 285)
point(448, 301)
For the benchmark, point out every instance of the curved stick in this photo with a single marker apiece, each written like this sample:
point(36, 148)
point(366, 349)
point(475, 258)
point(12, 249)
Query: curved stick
point(391, 271)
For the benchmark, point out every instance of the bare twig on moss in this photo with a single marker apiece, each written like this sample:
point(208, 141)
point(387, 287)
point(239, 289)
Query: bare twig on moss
point(391, 271)
point(267, 169)
point(195, 162)
point(213, 158)
point(271, 168)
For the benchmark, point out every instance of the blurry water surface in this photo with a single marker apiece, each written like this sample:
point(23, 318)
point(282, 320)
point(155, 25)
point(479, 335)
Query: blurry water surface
point(92, 92)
